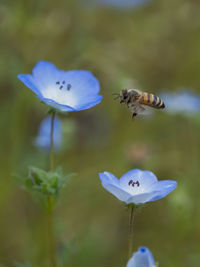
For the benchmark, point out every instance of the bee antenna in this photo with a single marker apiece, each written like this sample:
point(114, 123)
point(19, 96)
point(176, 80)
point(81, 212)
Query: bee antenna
point(117, 95)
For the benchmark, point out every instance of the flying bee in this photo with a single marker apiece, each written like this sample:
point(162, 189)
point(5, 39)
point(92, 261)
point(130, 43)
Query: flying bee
point(137, 100)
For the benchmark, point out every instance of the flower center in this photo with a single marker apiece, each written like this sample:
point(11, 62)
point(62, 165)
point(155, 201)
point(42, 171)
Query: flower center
point(131, 183)
point(62, 85)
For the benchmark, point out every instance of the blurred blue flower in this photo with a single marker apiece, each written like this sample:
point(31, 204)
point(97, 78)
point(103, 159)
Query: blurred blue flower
point(141, 258)
point(181, 102)
point(121, 4)
point(65, 91)
point(43, 138)
point(136, 186)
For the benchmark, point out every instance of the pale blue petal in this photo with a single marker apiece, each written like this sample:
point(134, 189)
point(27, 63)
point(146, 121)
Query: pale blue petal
point(82, 82)
point(111, 184)
point(117, 192)
point(125, 4)
point(96, 100)
point(147, 252)
point(46, 74)
point(164, 187)
point(184, 102)
point(141, 258)
point(142, 197)
point(157, 191)
point(137, 186)
point(66, 91)
point(28, 80)
point(43, 138)
point(145, 179)
point(53, 104)
point(108, 178)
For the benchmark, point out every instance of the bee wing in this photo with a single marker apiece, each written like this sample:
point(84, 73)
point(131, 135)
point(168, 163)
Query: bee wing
point(136, 90)
point(144, 110)
point(139, 92)
point(140, 109)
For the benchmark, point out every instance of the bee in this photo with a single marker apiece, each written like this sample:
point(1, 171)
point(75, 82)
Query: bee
point(137, 100)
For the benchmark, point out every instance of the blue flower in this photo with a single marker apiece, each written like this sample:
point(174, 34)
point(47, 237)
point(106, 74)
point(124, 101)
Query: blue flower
point(136, 186)
point(141, 258)
point(181, 102)
point(65, 91)
point(43, 138)
point(125, 4)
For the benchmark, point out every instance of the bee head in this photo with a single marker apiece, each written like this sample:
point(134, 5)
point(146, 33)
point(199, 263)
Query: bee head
point(123, 95)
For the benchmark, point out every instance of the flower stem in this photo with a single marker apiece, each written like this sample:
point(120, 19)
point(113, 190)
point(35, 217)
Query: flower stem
point(130, 249)
point(51, 241)
point(51, 159)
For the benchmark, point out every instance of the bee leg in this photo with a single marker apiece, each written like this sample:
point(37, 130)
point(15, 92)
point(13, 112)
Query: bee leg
point(133, 115)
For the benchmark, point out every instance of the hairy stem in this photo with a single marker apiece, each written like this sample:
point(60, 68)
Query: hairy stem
point(130, 249)
point(51, 240)
point(51, 158)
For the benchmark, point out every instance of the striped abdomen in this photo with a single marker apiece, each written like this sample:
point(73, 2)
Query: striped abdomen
point(151, 100)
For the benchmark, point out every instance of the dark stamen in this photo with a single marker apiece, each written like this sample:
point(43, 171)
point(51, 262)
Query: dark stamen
point(57, 82)
point(130, 182)
point(63, 82)
point(60, 87)
point(133, 183)
point(137, 183)
point(69, 86)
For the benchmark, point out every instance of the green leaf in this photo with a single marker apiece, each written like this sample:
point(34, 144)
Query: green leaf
point(44, 184)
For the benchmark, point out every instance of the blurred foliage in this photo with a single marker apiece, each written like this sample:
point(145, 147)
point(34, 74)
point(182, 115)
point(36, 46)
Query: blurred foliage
point(153, 47)
point(26, 264)
point(45, 184)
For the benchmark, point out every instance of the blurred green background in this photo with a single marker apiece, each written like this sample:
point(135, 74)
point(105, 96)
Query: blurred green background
point(151, 47)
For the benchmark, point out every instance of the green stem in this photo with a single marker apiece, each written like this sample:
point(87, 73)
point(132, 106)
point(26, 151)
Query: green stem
point(130, 249)
point(51, 241)
point(51, 159)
